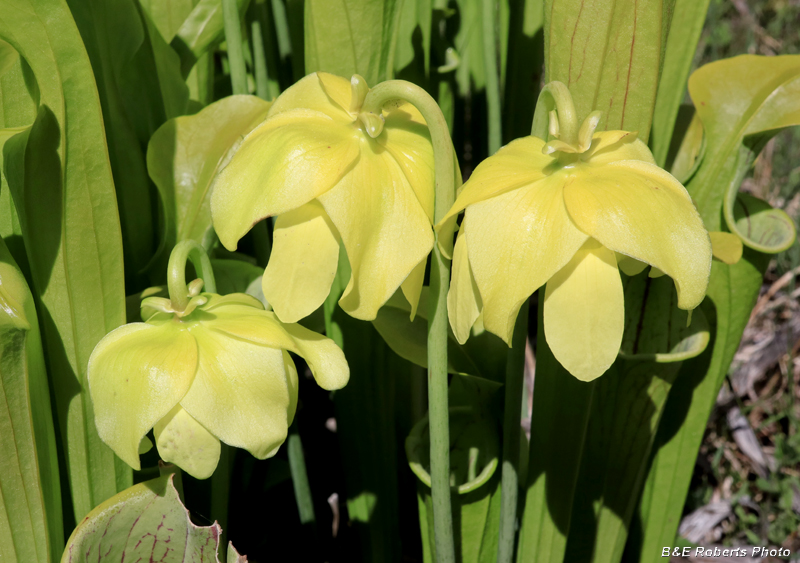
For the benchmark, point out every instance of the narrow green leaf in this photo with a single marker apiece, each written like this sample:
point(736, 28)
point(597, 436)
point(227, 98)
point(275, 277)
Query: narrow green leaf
point(168, 15)
point(610, 55)
point(688, 18)
point(184, 155)
point(413, 55)
point(733, 290)
point(348, 37)
point(202, 30)
point(483, 355)
point(525, 67)
point(140, 86)
point(145, 522)
point(626, 408)
point(655, 329)
point(73, 242)
point(31, 527)
point(365, 418)
point(560, 415)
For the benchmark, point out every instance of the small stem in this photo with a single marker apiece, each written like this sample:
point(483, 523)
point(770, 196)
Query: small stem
point(515, 370)
point(260, 62)
point(492, 75)
point(555, 95)
point(444, 195)
point(302, 489)
point(233, 38)
point(176, 272)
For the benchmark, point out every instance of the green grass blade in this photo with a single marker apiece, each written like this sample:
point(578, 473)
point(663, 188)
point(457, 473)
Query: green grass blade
point(68, 217)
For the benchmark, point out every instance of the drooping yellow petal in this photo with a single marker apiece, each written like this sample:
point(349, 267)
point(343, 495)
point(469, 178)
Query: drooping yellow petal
point(412, 286)
point(584, 312)
point(282, 164)
point(332, 99)
point(611, 146)
point(463, 300)
point(385, 231)
point(516, 242)
point(182, 440)
point(324, 358)
point(301, 268)
point(338, 89)
point(726, 247)
point(294, 386)
point(639, 210)
point(408, 140)
point(137, 373)
point(517, 164)
point(241, 392)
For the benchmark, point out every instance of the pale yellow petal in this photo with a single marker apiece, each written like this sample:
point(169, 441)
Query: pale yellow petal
point(385, 231)
point(241, 392)
point(303, 262)
point(324, 358)
point(639, 210)
point(726, 247)
point(408, 140)
point(137, 373)
point(517, 241)
point(338, 89)
point(282, 164)
point(182, 440)
point(517, 164)
point(310, 93)
point(294, 387)
point(584, 312)
point(463, 300)
point(412, 286)
point(611, 146)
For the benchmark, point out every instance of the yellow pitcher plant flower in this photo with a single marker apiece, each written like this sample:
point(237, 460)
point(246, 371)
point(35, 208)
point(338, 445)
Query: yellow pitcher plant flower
point(567, 213)
point(314, 165)
point(201, 369)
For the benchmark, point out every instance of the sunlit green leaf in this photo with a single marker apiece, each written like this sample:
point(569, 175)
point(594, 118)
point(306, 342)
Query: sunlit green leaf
point(68, 217)
point(185, 154)
point(688, 17)
point(202, 29)
point(30, 501)
point(347, 37)
point(609, 54)
point(140, 86)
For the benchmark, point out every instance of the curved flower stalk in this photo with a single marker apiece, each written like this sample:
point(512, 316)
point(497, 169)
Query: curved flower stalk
point(314, 164)
point(201, 369)
point(569, 213)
